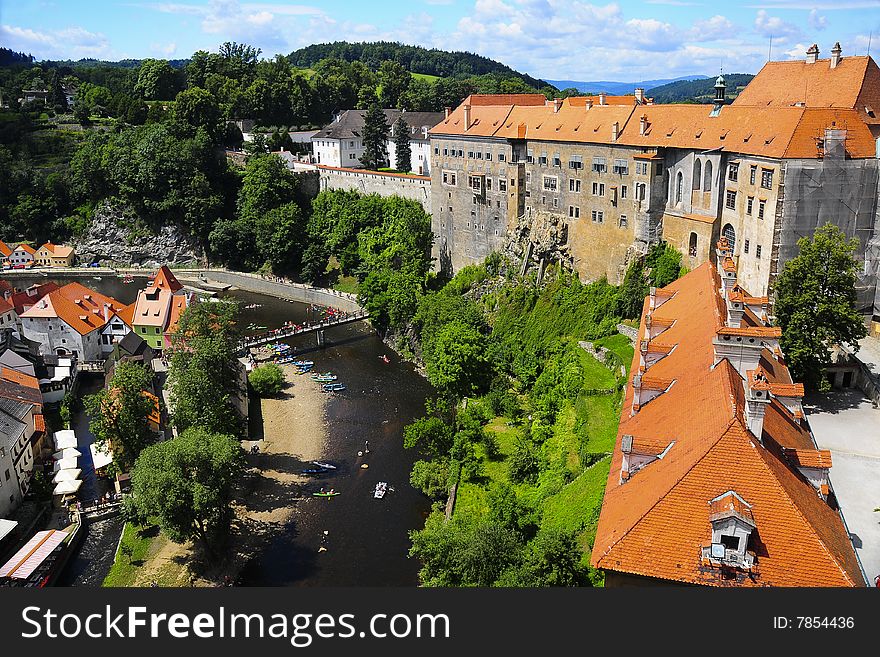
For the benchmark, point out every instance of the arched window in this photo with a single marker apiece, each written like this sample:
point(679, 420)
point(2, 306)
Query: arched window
point(692, 245)
point(730, 234)
point(698, 174)
point(707, 178)
point(678, 185)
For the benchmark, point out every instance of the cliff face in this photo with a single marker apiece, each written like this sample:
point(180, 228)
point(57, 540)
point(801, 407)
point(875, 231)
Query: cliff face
point(113, 236)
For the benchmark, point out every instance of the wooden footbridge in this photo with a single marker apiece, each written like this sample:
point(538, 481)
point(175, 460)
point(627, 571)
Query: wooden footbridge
point(291, 332)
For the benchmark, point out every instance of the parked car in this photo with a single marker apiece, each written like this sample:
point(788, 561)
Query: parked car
point(18, 266)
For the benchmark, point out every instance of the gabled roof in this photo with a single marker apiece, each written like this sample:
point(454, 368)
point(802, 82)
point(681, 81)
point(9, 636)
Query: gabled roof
point(27, 248)
point(656, 523)
point(166, 280)
point(27, 298)
point(152, 307)
point(78, 306)
point(20, 393)
point(4, 249)
point(133, 344)
point(48, 246)
point(351, 123)
point(179, 303)
point(853, 84)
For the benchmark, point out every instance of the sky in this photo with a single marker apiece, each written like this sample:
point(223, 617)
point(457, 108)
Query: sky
point(627, 40)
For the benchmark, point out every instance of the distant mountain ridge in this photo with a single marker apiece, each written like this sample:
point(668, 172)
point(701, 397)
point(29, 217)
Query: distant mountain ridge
point(619, 88)
point(699, 91)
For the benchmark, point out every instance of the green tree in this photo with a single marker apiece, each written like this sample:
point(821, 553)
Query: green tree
point(816, 304)
point(431, 477)
point(155, 80)
point(431, 435)
point(458, 364)
point(402, 148)
point(267, 184)
point(196, 108)
point(118, 415)
point(186, 485)
point(664, 263)
point(267, 380)
point(375, 138)
point(632, 292)
point(281, 237)
point(391, 297)
point(394, 80)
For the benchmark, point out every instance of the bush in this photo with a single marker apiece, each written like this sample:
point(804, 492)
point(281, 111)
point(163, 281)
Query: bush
point(431, 477)
point(267, 380)
point(524, 463)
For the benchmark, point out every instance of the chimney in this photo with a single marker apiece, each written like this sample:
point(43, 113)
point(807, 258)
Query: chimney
point(812, 54)
point(467, 117)
point(615, 131)
point(447, 110)
point(757, 399)
point(637, 393)
point(640, 96)
point(602, 96)
point(643, 124)
point(589, 103)
point(106, 312)
point(557, 103)
point(835, 55)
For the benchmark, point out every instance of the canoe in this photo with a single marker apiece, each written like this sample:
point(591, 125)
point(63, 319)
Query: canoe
point(321, 464)
point(325, 494)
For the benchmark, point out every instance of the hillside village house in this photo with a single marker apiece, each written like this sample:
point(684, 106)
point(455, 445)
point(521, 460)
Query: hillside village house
point(594, 181)
point(69, 321)
point(56, 375)
point(715, 477)
point(22, 428)
point(54, 255)
point(23, 254)
point(5, 251)
point(158, 309)
point(24, 299)
point(341, 144)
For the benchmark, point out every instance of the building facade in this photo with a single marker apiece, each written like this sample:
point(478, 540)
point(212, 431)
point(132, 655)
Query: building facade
point(54, 255)
point(604, 178)
point(22, 255)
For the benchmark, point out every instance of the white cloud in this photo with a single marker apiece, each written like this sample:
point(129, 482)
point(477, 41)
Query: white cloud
point(828, 5)
point(816, 21)
point(773, 26)
point(164, 49)
point(712, 29)
point(67, 43)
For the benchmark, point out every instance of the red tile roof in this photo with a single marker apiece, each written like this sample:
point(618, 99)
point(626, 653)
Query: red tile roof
point(165, 280)
point(4, 249)
point(78, 306)
point(809, 458)
point(656, 523)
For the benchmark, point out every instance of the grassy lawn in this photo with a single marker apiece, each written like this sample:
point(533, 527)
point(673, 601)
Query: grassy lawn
point(602, 414)
point(425, 77)
point(596, 375)
point(125, 568)
point(619, 345)
point(347, 284)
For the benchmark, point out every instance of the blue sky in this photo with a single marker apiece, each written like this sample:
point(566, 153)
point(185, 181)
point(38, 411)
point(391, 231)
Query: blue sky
point(626, 40)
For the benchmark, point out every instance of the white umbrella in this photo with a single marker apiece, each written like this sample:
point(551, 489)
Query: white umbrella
point(67, 487)
point(65, 464)
point(66, 475)
point(65, 439)
point(66, 453)
point(100, 456)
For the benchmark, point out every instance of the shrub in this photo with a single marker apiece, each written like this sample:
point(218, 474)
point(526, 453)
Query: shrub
point(267, 380)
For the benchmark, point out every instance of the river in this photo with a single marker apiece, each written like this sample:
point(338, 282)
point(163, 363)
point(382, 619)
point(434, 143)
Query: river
point(367, 538)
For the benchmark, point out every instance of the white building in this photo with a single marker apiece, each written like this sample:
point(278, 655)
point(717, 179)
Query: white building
point(22, 255)
point(341, 144)
point(16, 453)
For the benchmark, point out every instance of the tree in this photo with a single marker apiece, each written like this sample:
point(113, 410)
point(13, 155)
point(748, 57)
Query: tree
point(375, 138)
point(632, 292)
point(267, 184)
point(431, 435)
point(267, 380)
point(816, 304)
point(402, 149)
point(458, 364)
point(196, 108)
point(394, 80)
point(186, 485)
point(431, 477)
point(155, 80)
point(82, 114)
point(664, 263)
point(118, 415)
point(281, 238)
point(391, 297)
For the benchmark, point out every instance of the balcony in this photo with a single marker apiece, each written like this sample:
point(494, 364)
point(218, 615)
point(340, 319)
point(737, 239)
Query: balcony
point(713, 554)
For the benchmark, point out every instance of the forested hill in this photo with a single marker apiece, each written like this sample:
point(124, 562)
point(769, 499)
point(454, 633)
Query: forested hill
point(698, 91)
point(413, 58)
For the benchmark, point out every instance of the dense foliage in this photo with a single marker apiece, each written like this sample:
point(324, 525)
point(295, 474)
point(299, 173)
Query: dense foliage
point(816, 304)
point(267, 380)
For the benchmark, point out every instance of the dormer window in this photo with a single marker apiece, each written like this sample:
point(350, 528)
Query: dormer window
point(732, 524)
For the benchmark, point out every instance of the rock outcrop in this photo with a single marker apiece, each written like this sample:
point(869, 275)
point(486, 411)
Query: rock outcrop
point(115, 237)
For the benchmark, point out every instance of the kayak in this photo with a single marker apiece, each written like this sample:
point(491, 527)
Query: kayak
point(325, 494)
point(326, 466)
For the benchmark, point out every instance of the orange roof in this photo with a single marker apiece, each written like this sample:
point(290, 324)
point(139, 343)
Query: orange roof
point(48, 246)
point(752, 331)
point(26, 247)
point(656, 523)
point(152, 307)
point(853, 84)
point(787, 389)
point(165, 280)
point(39, 422)
point(505, 99)
point(581, 101)
point(14, 376)
point(154, 416)
point(78, 306)
point(776, 132)
point(730, 504)
point(4, 249)
point(809, 458)
point(5, 306)
point(178, 305)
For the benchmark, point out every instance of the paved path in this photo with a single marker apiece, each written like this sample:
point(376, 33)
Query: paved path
point(846, 422)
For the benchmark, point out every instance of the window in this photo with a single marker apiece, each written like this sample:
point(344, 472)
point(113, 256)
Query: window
point(550, 183)
point(555, 202)
point(479, 155)
point(761, 205)
point(707, 177)
point(557, 162)
point(749, 202)
point(543, 159)
point(758, 251)
point(621, 167)
point(574, 185)
point(640, 191)
point(622, 223)
point(528, 177)
point(692, 245)
point(529, 157)
point(745, 246)
point(157, 330)
point(488, 183)
point(576, 162)
point(501, 157)
point(445, 151)
point(678, 187)
point(731, 199)
point(730, 542)
point(574, 212)
point(351, 144)
point(7, 475)
point(598, 216)
point(599, 165)
point(437, 150)
point(598, 189)
point(697, 178)
point(753, 171)
point(733, 172)
point(623, 191)
point(460, 153)
point(730, 234)
point(766, 178)
point(488, 156)
point(502, 185)
point(642, 168)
